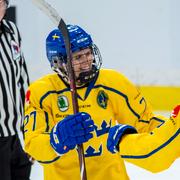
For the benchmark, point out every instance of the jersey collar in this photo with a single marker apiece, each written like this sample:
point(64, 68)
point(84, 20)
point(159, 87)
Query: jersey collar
point(89, 86)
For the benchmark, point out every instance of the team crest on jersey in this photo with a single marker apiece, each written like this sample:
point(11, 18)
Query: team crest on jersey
point(102, 99)
point(63, 103)
point(16, 52)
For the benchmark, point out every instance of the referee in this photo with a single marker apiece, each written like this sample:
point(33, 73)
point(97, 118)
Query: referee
point(14, 163)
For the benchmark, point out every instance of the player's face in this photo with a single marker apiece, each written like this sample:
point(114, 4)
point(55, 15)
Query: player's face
point(2, 9)
point(82, 61)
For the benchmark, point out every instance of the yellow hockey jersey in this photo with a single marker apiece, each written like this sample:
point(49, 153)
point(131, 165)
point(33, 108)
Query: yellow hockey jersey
point(154, 151)
point(109, 99)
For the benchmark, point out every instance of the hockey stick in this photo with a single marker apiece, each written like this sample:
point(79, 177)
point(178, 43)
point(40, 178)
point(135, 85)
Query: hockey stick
point(59, 22)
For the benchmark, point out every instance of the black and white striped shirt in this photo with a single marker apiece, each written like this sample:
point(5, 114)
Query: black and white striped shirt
point(14, 79)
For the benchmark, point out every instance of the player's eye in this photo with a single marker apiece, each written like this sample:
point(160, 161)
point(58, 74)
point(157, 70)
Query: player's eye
point(77, 57)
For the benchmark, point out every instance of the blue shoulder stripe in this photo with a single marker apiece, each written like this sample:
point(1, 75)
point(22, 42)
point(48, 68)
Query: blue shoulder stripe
point(153, 118)
point(51, 161)
point(51, 92)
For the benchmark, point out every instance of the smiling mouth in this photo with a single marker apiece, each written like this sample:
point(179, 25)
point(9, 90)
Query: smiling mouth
point(85, 69)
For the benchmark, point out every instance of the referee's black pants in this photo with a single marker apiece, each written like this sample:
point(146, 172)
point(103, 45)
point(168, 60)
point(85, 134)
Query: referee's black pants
point(14, 162)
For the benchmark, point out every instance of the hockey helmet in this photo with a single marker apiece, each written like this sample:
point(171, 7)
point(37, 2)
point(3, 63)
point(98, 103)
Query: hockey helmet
point(56, 52)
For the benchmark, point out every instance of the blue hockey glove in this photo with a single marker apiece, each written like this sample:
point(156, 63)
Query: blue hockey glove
point(72, 130)
point(115, 135)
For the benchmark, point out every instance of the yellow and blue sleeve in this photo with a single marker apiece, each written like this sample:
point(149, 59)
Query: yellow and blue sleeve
point(154, 151)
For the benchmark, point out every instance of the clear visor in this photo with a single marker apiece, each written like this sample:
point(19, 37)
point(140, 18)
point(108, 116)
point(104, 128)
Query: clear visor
point(86, 64)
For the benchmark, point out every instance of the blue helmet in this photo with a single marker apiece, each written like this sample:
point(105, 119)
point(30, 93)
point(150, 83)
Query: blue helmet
point(55, 43)
point(79, 39)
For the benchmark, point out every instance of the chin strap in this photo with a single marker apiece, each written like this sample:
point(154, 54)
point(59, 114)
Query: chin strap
point(85, 77)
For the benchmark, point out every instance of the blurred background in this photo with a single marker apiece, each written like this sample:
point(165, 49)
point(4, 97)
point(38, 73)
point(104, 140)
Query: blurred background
point(139, 38)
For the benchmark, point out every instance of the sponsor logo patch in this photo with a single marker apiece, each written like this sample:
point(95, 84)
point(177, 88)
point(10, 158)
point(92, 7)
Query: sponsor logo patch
point(63, 103)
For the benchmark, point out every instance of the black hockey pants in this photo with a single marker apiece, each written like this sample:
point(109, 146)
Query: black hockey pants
point(14, 162)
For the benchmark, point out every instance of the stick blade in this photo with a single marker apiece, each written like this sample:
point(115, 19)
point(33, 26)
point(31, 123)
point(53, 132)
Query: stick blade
point(48, 10)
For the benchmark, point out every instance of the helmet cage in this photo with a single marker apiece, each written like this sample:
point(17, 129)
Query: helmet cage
point(79, 40)
point(85, 77)
point(59, 65)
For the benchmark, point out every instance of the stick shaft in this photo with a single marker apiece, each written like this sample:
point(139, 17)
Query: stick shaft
point(59, 22)
point(80, 149)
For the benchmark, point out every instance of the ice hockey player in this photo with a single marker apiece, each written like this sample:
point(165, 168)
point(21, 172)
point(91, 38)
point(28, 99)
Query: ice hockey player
point(104, 96)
